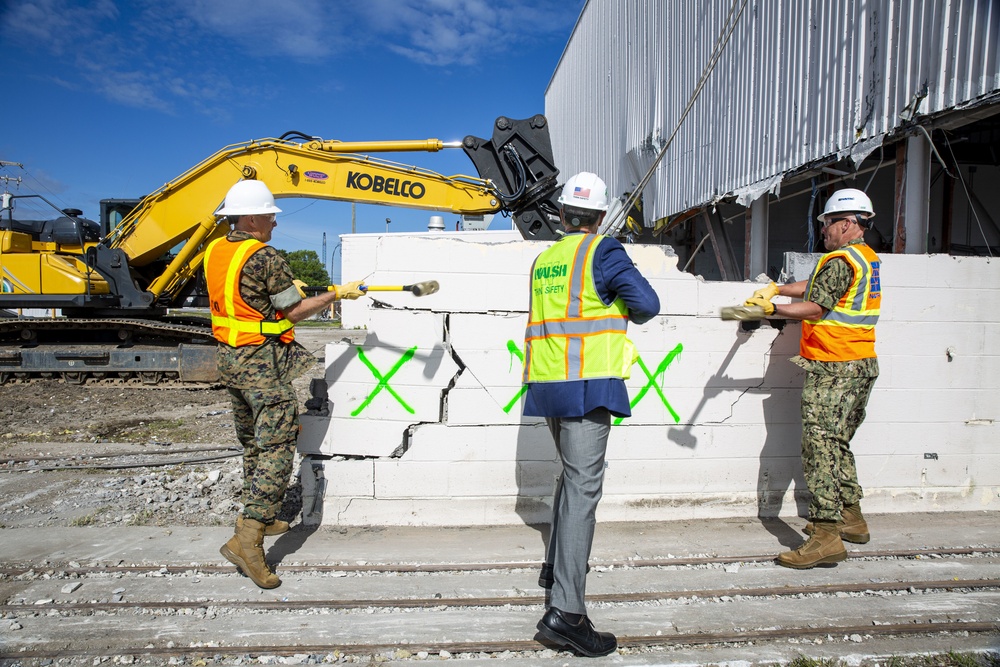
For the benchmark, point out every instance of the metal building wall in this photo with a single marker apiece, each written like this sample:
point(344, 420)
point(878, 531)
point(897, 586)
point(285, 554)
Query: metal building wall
point(800, 81)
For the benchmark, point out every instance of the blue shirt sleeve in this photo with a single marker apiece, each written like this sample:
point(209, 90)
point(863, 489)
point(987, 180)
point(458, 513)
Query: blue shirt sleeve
point(615, 276)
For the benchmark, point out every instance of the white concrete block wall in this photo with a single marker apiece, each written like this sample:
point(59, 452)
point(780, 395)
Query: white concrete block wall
point(715, 429)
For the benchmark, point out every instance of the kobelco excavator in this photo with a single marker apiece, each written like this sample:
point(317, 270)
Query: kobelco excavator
point(113, 281)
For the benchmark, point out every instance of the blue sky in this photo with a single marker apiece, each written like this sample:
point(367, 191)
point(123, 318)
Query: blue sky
point(113, 99)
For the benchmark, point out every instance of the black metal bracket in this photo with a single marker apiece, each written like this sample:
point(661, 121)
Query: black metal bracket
point(518, 160)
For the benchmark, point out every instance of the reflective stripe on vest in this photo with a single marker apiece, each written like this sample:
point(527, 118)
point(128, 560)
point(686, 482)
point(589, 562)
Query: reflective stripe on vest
point(571, 333)
point(848, 331)
point(234, 321)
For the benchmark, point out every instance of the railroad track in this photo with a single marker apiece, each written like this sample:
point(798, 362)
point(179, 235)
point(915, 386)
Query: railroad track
point(528, 600)
point(408, 621)
point(13, 570)
point(119, 460)
point(500, 647)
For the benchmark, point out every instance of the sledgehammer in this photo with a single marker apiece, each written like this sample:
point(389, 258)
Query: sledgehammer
point(417, 289)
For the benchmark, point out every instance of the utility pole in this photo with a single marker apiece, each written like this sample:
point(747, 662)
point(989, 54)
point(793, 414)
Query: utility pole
point(353, 220)
point(324, 248)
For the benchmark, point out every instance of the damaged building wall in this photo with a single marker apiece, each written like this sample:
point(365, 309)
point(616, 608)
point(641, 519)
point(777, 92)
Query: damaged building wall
point(795, 83)
point(803, 94)
point(423, 423)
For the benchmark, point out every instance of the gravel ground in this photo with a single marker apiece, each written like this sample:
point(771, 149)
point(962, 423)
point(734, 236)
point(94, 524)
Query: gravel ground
point(104, 455)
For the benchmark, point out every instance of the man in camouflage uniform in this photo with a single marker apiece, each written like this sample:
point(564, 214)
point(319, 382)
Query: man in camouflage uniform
point(840, 306)
point(255, 303)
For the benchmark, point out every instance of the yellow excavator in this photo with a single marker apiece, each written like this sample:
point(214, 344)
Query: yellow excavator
point(114, 281)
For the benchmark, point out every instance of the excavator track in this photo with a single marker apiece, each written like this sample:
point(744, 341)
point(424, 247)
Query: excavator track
point(173, 351)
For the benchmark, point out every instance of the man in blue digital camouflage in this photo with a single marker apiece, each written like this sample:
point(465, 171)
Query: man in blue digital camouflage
point(839, 308)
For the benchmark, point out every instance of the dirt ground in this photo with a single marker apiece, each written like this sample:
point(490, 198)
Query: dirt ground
point(94, 454)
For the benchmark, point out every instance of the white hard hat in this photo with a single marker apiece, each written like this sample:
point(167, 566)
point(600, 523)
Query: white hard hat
point(248, 198)
point(848, 200)
point(585, 190)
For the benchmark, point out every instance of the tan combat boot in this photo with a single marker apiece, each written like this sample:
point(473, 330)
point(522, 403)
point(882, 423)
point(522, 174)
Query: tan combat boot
point(277, 528)
point(245, 551)
point(852, 525)
point(824, 546)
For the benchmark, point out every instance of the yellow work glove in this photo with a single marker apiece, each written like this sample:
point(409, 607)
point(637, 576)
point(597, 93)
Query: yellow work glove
point(350, 291)
point(762, 302)
point(768, 292)
point(300, 286)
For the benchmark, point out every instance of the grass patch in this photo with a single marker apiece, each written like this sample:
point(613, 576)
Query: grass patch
point(318, 324)
point(143, 430)
point(142, 518)
point(88, 519)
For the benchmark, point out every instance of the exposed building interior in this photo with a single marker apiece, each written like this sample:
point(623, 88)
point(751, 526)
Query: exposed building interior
point(957, 176)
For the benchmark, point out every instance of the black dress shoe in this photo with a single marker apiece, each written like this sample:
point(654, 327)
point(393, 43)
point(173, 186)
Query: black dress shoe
point(580, 636)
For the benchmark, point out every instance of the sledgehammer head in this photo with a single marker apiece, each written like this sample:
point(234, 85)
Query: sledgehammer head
point(417, 289)
point(424, 288)
point(742, 313)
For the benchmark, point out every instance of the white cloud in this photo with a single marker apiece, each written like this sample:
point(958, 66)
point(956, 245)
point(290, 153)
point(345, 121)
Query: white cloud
point(58, 25)
point(303, 29)
point(464, 32)
point(171, 55)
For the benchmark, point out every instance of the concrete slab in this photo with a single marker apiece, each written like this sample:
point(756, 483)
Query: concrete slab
point(616, 549)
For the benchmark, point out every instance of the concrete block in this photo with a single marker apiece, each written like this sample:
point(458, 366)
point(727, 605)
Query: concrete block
point(937, 372)
point(925, 439)
point(930, 339)
point(708, 443)
point(911, 304)
point(465, 511)
point(349, 478)
point(915, 404)
point(438, 442)
point(380, 380)
point(798, 266)
point(656, 262)
point(335, 436)
point(959, 471)
point(479, 406)
point(490, 346)
point(991, 335)
point(937, 272)
point(687, 403)
point(399, 401)
point(678, 294)
point(687, 476)
point(438, 479)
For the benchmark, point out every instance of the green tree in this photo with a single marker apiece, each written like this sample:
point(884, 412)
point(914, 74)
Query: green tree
point(307, 267)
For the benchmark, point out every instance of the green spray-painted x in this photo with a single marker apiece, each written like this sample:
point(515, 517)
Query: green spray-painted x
point(651, 377)
point(383, 380)
point(514, 350)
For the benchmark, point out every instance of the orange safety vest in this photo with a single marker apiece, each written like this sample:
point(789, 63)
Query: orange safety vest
point(235, 322)
point(847, 332)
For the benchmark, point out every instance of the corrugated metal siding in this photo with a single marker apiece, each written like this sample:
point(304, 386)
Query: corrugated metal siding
point(799, 81)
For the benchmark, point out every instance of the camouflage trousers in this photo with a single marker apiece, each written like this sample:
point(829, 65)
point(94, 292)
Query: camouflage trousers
point(832, 410)
point(267, 425)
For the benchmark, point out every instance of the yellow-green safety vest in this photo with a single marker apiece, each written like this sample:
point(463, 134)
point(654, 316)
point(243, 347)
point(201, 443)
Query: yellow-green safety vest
point(571, 333)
